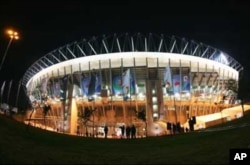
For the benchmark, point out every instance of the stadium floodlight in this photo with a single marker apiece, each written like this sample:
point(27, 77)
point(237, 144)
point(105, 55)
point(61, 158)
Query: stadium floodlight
point(13, 35)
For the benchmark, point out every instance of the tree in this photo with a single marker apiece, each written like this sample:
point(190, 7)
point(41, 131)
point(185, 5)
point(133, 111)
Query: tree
point(84, 117)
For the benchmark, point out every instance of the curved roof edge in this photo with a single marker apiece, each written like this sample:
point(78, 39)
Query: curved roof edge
point(130, 43)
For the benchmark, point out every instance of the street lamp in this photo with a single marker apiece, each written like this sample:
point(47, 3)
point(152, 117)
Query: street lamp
point(13, 35)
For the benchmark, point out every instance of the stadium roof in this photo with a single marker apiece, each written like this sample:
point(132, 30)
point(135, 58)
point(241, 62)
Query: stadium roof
point(130, 43)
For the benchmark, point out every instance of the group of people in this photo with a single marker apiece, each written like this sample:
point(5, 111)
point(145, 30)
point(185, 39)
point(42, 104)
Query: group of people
point(128, 132)
point(174, 128)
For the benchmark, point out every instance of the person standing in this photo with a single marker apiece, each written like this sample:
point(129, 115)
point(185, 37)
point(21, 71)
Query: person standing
point(191, 124)
point(122, 131)
point(133, 131)
point(128, 131)
point(106, 131)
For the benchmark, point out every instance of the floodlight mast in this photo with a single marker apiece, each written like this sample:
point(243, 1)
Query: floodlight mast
point(13, 35)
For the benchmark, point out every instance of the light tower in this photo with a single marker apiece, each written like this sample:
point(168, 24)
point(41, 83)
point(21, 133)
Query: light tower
point(12, 35)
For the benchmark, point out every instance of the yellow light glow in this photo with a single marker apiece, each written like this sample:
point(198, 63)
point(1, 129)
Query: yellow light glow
point(10, 32)
point(13, 34)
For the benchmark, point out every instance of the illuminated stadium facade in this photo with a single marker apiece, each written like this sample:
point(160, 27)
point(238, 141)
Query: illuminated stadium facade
point(120, 79)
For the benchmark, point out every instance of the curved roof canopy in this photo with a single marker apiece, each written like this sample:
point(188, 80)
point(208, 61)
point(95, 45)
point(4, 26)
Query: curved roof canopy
point(129, 43)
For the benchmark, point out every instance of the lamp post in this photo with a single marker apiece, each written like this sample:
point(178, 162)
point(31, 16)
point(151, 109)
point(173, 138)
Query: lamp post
point(13, 35)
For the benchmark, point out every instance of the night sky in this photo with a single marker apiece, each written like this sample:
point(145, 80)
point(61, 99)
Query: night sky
point(47, 25)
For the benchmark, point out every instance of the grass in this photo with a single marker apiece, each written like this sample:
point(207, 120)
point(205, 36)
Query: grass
point(19, 145)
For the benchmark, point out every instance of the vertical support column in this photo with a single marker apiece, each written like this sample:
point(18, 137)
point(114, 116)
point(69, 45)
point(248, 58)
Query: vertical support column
point(159, 93)
point(149, 114)
point(72, 109)
point(149, 108)
point(110, 80)
point(199, 87)
point(110, 86)
point(67, 98)
point(219, 80)
point(159, 96)
point(191, 91)
point(124, 107)
point(181, 78)
point(135, 87)
point(180, 94)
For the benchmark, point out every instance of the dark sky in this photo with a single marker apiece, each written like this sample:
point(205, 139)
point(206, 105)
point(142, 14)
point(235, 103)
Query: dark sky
point(46, 25)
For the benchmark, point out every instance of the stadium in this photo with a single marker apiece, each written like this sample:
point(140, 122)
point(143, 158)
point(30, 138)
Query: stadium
point(154, 82)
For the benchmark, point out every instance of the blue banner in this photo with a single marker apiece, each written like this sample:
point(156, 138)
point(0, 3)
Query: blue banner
point(92, 83)
point(120, 88)
point(181, 85)
point(56, 89)
point(176, 83)
point(186, 83)
point(117, 84)
point(64, 86)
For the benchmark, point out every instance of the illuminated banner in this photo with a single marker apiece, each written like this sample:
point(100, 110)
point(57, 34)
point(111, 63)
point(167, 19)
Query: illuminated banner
point(50, 88)
point(85, 85)
point(176, 83)
point(117, 84)
point(167, 77)
point(126, 83)
point(96, 82)
point(64, 81)
point(127, 87)
point(168, 80)
point(185, 83)
point(43, 87)
point(92, 84)
point(56, 89)
point(57, 86)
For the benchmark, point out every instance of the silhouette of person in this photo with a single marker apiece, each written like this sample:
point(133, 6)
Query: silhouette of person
point(106, 131)
point(87, 134)
point(191, 124)
point(133, 131)
point(122, 131)
point(174, 128)
point(128, 132)
point(178, 127)
point(78, 130)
